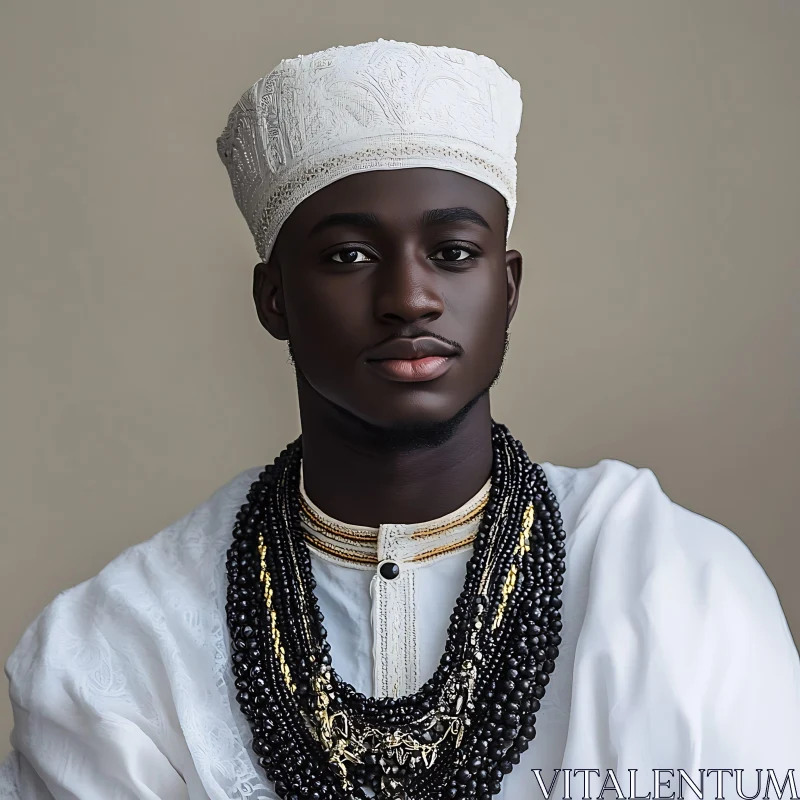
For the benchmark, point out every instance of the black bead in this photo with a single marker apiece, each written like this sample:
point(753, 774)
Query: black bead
point(474, 764)
point(496, 752)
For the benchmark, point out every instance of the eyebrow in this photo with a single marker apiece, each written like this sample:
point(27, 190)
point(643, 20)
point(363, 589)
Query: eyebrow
point(354, 219)
point(442, 216)
point(434, 216)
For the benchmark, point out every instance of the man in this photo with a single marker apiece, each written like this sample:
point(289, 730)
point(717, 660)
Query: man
point(487, 621)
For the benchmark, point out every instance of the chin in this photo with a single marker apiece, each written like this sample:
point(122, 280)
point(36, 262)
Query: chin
point(411, 409)
point(417, 425)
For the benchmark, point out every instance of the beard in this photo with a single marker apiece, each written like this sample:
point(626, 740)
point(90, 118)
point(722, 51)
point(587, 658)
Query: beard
point(416, 435)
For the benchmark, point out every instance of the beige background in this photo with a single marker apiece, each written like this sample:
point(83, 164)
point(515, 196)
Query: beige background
point(659, 215)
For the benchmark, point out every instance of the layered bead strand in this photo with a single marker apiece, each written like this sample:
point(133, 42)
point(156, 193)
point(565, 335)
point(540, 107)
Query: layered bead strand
point(501, 648)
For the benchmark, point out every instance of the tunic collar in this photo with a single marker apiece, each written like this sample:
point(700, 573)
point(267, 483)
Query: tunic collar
point(411, 544)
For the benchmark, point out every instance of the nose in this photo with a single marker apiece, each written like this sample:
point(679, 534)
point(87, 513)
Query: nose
point(407, 290)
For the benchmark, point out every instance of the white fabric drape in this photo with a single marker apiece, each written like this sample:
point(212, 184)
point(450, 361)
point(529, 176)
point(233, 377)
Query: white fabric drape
point(676, 654)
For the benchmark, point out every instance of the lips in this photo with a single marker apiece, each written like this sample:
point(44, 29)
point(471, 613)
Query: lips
point(407, 348)
point(411, 360)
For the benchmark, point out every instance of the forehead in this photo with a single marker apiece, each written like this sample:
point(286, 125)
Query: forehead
point(398, 195)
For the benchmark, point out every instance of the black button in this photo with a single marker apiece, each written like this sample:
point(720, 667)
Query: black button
point(389, 570)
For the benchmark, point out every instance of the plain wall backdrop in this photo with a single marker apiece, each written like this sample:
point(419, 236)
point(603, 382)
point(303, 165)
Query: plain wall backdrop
point(659, 218)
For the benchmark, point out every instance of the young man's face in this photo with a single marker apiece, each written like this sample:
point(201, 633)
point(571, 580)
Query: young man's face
point(364, 261)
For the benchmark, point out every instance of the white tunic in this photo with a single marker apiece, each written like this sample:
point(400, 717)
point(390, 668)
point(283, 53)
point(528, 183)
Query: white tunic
point(676, 653)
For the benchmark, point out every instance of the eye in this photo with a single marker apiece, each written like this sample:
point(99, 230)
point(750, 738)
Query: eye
point(350, 256)
point(454, 253)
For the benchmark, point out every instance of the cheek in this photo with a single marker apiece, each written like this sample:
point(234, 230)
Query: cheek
point(481, 316)
point(323, 326)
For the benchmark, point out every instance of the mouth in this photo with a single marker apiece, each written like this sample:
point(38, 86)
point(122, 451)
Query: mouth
point(412, 370)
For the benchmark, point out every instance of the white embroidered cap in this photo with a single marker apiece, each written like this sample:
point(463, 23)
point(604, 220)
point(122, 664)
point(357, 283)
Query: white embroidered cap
point(374, 106)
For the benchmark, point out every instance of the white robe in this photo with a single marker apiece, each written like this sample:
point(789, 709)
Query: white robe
point(676, 655)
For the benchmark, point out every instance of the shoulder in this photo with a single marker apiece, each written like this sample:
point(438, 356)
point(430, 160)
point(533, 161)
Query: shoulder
point(636, 555)
point(598, 485)
point(133, 665)
point(617, 504)
point(644, 562)
point(137, 593)
point(670, 610)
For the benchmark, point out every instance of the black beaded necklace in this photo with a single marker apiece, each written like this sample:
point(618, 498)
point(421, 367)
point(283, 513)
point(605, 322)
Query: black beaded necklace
point(457, 737)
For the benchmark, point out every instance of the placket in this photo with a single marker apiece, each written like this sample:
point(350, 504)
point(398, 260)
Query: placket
point(394, 617)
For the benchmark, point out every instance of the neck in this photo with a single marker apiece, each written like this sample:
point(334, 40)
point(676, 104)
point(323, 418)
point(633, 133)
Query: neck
point(356, 479)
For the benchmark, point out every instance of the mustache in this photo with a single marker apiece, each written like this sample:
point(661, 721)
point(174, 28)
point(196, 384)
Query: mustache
point(416, 332)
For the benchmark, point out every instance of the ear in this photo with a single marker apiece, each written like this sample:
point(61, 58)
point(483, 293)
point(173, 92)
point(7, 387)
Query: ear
point(514, 278)
point(268, 297)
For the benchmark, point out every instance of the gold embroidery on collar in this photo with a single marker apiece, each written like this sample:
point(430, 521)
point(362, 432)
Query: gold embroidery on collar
point(337, 552)
point(341, 542)
point(346, 533)
point(336, 531)
point(447, 548)
point(469, 515)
